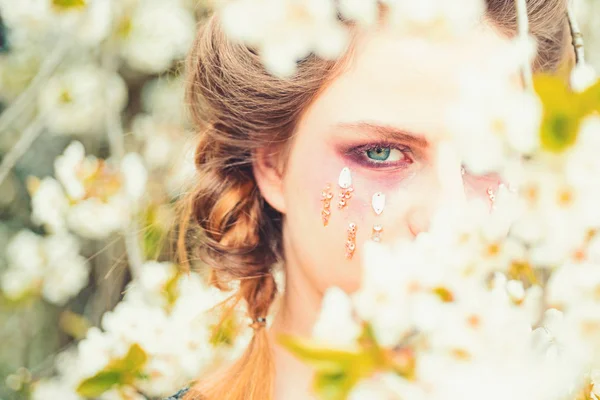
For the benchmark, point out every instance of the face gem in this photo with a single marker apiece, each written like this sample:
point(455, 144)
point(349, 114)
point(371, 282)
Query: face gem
point(378, 202)
point(345, 180)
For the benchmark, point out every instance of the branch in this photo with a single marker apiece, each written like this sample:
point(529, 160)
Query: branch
point(523, 36)
point(114, 129)
point(576, 36)
point(33, 130)
point(46, 70)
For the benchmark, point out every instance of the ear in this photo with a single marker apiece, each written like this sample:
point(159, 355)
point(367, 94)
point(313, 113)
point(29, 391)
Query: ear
point(268, 173)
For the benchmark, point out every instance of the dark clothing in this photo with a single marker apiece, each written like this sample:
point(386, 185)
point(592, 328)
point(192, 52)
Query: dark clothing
point(178, 395)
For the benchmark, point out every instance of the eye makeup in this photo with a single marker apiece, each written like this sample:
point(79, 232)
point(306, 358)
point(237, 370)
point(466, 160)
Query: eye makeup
point(381, 155)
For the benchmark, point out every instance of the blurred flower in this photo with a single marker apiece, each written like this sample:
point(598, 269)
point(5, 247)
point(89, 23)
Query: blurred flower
point(134, 175)
point(88, 22)
point(53, 389)
point(155, 35)
point(286, 31)
point(163, 142)
point(595, 379)
point(492, 114)
point(582, 165)
point(18, 67)
point(50, 266)
point(362, 11)
point(74, 102)
point(336, 310)
point(167, 150)
point(582, 77)
point(182, 176)
point(93, 197)
point(436, 16)
point(163, 98)
point(171, 317)
point(123, 393)
point(49, 204)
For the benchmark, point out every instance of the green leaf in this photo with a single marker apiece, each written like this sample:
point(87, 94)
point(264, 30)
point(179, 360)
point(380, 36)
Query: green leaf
point(100, 383)
point(315, 353)
point(64, 5)
point(224, 333)
point(336, 371)
point(118, 372)
point(560, 129)
point(154, 233)
point(171, 291)
point(562, 113)
point(133, 361)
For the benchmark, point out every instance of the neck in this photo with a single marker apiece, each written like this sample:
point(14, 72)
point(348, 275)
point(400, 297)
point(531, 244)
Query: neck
point(298, 311)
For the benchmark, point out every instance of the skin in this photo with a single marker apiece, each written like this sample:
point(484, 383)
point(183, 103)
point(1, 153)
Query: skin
point(391, 96)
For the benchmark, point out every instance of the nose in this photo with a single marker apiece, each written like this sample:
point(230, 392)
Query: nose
point(445, 193)
point(448, 173)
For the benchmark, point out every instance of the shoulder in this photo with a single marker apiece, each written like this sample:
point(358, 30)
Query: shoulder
point(178, 395)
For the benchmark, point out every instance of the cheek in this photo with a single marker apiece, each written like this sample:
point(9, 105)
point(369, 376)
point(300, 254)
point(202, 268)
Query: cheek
point(318, 250)
point(481, 186)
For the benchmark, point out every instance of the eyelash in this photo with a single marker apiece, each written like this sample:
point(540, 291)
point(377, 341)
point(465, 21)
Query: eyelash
point(358, 154)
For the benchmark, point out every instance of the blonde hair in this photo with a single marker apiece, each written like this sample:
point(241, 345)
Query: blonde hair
point(238, 108)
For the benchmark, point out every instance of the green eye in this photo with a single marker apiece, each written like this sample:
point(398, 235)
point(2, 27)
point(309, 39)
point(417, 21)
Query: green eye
point(379, 153)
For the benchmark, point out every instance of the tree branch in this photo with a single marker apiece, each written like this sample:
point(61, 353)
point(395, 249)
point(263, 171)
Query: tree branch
point(523, 36)
point(33, 130)
point(46, 70)
point(114, 129)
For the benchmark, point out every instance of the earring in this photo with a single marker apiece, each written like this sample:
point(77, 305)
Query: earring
point(345, 183)
point(326, 196)
point(351, 242)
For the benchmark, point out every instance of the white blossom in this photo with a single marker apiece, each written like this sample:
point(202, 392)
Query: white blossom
point(19, 66)
point(363, 11)
point(95, 219)
point(48, 265)
point(123, 393)
point(99, 197)
point(336, 324)
point(285, 31)
point(157, 34)
point(134, 175)
point(495, 116)
point(174, 333)
point(162, 98)
point(49, 205)
point(53, 389)
point(435, 16)
point(70, 171)
point(582, 77)
point(75, 101)
point(89, 22)
point(595, 380)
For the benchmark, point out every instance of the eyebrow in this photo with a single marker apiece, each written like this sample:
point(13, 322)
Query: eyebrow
point(386, 132)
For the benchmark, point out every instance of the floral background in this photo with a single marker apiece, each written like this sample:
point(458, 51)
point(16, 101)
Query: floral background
point(96, 151)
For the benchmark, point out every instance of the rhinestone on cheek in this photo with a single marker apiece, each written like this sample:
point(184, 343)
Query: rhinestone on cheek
point(326, 197)
point(351, 241)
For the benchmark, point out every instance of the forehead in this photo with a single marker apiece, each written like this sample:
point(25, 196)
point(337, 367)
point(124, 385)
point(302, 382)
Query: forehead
point(403, 81)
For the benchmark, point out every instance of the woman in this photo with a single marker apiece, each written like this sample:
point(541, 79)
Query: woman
point(303, 171)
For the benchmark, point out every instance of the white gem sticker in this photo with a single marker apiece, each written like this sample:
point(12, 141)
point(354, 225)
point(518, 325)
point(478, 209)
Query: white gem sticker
point(345, 180)
point(378, 202)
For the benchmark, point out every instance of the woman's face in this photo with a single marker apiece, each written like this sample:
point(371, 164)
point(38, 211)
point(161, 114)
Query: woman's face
point(383, 119)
